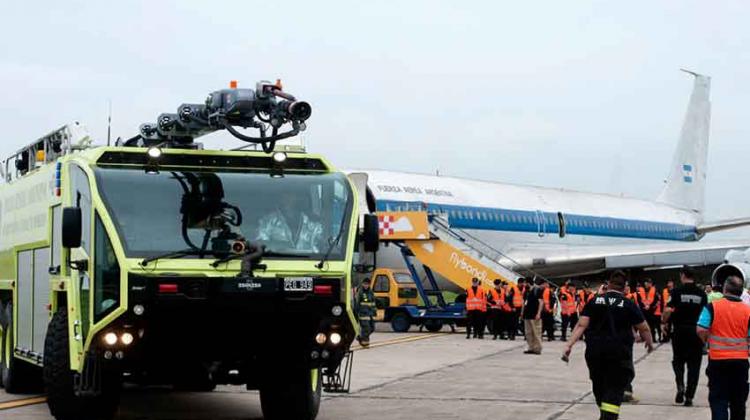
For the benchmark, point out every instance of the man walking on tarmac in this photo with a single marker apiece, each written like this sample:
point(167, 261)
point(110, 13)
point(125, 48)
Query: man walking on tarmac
point(476, 308)
point(608, 322)
point(725, 325)
point(683, 309)
point(366, 310)
point(532, 318)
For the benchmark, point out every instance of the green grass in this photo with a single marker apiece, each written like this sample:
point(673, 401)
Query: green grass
point(447, 295)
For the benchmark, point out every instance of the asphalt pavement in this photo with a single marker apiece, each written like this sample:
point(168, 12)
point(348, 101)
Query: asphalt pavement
point(428, 376)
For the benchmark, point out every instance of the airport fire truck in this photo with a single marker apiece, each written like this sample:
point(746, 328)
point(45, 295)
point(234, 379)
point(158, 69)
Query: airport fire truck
point(158, 261)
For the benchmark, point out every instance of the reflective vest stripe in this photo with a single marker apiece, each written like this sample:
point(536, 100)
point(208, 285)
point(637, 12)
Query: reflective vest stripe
point(733, 348)
point(546, 298)
point(476, 302)
point(727, 338)
point(517, 297)
point(568, 305)
point(647, 300)
point(498, 298)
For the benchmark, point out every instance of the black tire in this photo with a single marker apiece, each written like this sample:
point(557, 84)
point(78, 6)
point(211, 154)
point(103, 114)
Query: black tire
point(433, 325)
point(17, 376)
point(58, 379)
point(293, 394)
point(400, 322)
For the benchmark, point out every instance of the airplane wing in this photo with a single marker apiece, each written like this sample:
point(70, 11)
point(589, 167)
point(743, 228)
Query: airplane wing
point(722, 225)
point(580, 260)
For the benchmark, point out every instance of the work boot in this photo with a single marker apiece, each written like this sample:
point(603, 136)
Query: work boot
point(364, 342)
point(628, 397)
point(688, 402)
point(680, 397)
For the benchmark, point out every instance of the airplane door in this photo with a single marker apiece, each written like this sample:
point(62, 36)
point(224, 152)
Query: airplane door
point(541, 224)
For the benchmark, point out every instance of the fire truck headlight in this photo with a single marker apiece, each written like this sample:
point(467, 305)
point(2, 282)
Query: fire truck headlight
point(320, 338)
point(127, 338)
point(279, 157)
point(335, 338)
point(154, 152)
point(337, 310)
point(139, 310)
point(110, 338)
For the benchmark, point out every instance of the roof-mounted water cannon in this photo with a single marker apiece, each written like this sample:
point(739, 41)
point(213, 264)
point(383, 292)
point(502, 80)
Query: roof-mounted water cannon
point(266, 106)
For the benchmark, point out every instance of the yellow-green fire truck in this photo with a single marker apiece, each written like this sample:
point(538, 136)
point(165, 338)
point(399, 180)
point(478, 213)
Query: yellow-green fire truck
point(156, 261)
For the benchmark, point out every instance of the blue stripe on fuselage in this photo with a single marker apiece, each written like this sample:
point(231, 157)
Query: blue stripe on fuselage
point(485, 218)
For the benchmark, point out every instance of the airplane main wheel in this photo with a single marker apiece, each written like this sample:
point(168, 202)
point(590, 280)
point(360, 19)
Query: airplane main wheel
point(400, 322)
point(292, 393)
point(63, 403)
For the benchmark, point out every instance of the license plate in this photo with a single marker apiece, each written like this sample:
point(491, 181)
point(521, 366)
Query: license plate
point(298, 284)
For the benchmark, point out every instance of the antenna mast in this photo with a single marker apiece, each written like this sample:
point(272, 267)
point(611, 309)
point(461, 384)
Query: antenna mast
point(109, 122)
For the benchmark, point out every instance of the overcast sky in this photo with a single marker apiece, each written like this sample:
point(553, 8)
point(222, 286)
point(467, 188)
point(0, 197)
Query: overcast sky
point(585, 95)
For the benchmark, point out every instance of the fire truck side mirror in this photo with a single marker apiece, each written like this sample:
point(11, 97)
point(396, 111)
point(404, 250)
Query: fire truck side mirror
point(371, 235)
point(71, 227)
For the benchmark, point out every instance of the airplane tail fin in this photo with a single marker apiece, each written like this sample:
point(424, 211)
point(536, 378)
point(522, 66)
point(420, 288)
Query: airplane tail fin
point(685, 187)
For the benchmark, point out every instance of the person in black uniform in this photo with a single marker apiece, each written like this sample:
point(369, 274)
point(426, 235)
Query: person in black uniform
point(683, 310)
point(608, 321)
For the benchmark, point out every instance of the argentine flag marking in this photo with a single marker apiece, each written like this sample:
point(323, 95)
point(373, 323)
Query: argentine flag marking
point(687, 173)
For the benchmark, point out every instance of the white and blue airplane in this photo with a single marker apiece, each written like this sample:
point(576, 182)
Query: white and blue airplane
point(558, 232)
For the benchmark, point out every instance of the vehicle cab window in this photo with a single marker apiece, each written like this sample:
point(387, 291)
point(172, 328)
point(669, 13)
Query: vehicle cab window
point(106, 274)
point(381, 284)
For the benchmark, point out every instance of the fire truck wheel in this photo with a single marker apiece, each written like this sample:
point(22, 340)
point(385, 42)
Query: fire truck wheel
point(17, 376)
point(63, 403)
point(292, 394)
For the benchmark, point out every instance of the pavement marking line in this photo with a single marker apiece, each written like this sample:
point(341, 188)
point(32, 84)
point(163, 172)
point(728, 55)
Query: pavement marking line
point(398, 341)
point(22, 403)
point(582, 397)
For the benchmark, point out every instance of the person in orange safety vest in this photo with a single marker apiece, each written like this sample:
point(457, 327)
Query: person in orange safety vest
point(568, 309)
point(723, 324)
point(666, 296)
point(548, 313)
point(514, 300)
point(496, 299)
point(649, 301)
point(476, 309)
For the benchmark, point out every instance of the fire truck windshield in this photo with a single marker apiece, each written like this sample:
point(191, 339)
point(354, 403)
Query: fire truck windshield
point(297, 214)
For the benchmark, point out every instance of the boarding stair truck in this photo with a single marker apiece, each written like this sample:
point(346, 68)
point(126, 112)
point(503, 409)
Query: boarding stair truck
point(429, 240)
point(159, 261)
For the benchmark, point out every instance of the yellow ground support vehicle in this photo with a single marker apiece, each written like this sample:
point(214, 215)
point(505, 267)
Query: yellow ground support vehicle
point(393, 287)
point(158, 262)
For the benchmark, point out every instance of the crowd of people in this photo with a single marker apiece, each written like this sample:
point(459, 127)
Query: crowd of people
point(696, 319)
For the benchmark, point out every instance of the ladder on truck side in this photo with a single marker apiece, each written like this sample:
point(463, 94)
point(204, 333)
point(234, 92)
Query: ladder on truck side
point(44, 150)
point(429, 240)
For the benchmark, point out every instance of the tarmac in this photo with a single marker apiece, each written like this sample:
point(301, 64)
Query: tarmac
point(429, 376)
